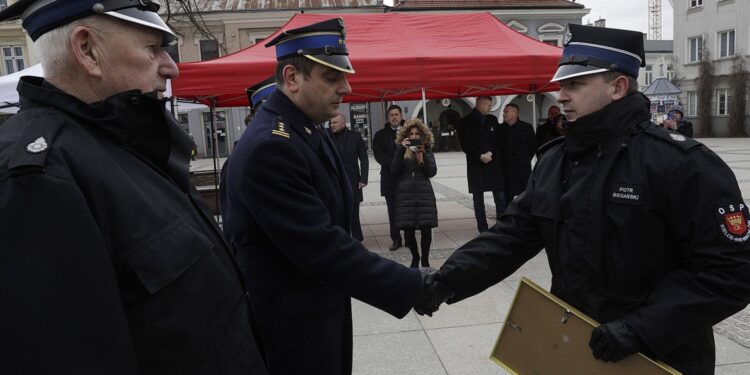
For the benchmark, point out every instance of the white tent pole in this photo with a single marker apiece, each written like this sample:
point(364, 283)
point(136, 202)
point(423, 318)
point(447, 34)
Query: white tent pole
point(424, 107)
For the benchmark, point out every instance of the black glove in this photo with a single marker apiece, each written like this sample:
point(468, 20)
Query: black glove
point(433, 292)
point(614, 341)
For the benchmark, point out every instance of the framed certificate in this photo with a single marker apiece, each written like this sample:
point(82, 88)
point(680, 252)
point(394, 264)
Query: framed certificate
point(544, 335)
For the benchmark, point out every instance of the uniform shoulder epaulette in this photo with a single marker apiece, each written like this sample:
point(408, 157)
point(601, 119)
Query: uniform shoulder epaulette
point(550, 144)
point(675, 139)
point(32, 146)
point(279, 127)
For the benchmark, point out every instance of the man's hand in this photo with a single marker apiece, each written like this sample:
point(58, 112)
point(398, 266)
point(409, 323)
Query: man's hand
point(614, 341)
point(361, 185)
point(433, 294)
point(670, 124)
point(486, 157)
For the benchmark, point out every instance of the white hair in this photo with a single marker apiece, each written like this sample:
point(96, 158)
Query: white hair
point(53, 47)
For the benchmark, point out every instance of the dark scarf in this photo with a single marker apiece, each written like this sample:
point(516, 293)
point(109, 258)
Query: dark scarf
point(606, 124)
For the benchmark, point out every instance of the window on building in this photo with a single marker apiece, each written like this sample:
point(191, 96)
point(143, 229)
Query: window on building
point(174, 52)
point(209, 49)
point(649, 76)
point(13, 58)
point(692, 103)
point(722, 102)
point(695, 49)
point(3, 4)
point(726, 43)
point(552, 42)
point(670, 72)
point(695, 3)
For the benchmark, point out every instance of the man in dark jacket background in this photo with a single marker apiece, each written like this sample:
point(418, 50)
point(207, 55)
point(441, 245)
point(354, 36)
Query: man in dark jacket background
point(383, 148)
point(676, 122)
point(111, 263)
point(479, 137)
point(353, 151)
point(547, 131)
point(645, 230)
point(517, 149)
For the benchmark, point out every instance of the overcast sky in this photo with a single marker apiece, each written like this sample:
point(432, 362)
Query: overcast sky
point(624, 14)
point(628, 14)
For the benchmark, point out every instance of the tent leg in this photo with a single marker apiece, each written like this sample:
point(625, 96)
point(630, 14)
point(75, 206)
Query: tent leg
point(424, 108)
point(533, 107)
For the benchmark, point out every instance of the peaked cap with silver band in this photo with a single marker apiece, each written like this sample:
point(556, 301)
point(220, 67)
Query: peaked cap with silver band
point(591, 50)
point(41, 16)
point(323, 42)
point(259, 92)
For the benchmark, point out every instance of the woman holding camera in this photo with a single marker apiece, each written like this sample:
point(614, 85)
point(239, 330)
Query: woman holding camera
point(413, 165)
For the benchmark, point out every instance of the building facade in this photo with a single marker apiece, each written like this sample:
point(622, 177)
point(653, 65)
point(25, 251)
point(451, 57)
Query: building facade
point(720, 31)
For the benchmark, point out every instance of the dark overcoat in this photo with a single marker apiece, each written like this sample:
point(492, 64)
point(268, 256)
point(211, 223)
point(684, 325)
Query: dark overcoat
point(110, 262)
point(518, 146)
point(288, 212)
point(649, 226)
point(415, 199)
point(354, 156)
point(383, 147)
point(476, 138)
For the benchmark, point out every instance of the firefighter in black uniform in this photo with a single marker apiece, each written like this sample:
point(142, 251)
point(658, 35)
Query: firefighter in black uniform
point(645, 230)
point(289, 211)
point(110, 262)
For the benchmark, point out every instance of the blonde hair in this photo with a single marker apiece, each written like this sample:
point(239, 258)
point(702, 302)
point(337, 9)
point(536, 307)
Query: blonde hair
point(425, 135)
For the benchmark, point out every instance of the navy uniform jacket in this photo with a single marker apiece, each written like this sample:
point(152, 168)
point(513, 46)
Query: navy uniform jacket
point(110, 262)
point(476, 139)
point(651, 228)
point(289, 207)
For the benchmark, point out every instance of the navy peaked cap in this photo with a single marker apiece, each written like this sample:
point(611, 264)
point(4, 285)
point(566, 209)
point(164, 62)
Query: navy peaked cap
point(323, 42)
point(259, 92)
point(591, 50)
point(41, 16)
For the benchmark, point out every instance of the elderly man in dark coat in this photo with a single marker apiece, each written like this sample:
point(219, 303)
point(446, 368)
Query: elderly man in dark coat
point(111, 263)
point(479, 137)
point(353, 151)
point(518, 148)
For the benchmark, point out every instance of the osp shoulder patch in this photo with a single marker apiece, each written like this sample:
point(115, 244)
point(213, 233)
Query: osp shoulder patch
point(734, 220)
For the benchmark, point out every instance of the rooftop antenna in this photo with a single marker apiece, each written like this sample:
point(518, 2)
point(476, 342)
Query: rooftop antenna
point(654, 19)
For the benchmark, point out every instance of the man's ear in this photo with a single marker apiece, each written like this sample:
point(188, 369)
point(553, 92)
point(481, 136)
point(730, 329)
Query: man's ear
point(85, 50)
point(621, 86)
point(291, 78)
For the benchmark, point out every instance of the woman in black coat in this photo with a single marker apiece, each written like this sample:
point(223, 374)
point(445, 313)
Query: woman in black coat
point(413, 165)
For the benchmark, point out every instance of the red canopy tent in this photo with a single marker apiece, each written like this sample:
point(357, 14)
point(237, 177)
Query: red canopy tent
point(396, 57)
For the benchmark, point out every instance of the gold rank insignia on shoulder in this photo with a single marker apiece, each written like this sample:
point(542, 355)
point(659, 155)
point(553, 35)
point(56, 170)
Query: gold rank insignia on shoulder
point(308, 131)
point(280, 129)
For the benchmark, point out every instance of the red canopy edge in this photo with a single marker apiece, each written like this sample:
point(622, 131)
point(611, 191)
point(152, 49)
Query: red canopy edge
point(395, 55)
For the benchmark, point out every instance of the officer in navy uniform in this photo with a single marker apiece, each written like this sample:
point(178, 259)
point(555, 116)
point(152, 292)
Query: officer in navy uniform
point(645, 230)
point(289, 206)
point(256, 95)
point(110, 261)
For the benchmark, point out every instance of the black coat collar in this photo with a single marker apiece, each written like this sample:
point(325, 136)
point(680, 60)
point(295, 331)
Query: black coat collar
point(138, 121)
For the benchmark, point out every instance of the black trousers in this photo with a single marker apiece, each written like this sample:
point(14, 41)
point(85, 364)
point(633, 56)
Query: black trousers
point(479, 212)
point(356, 226)
point(390, 201)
